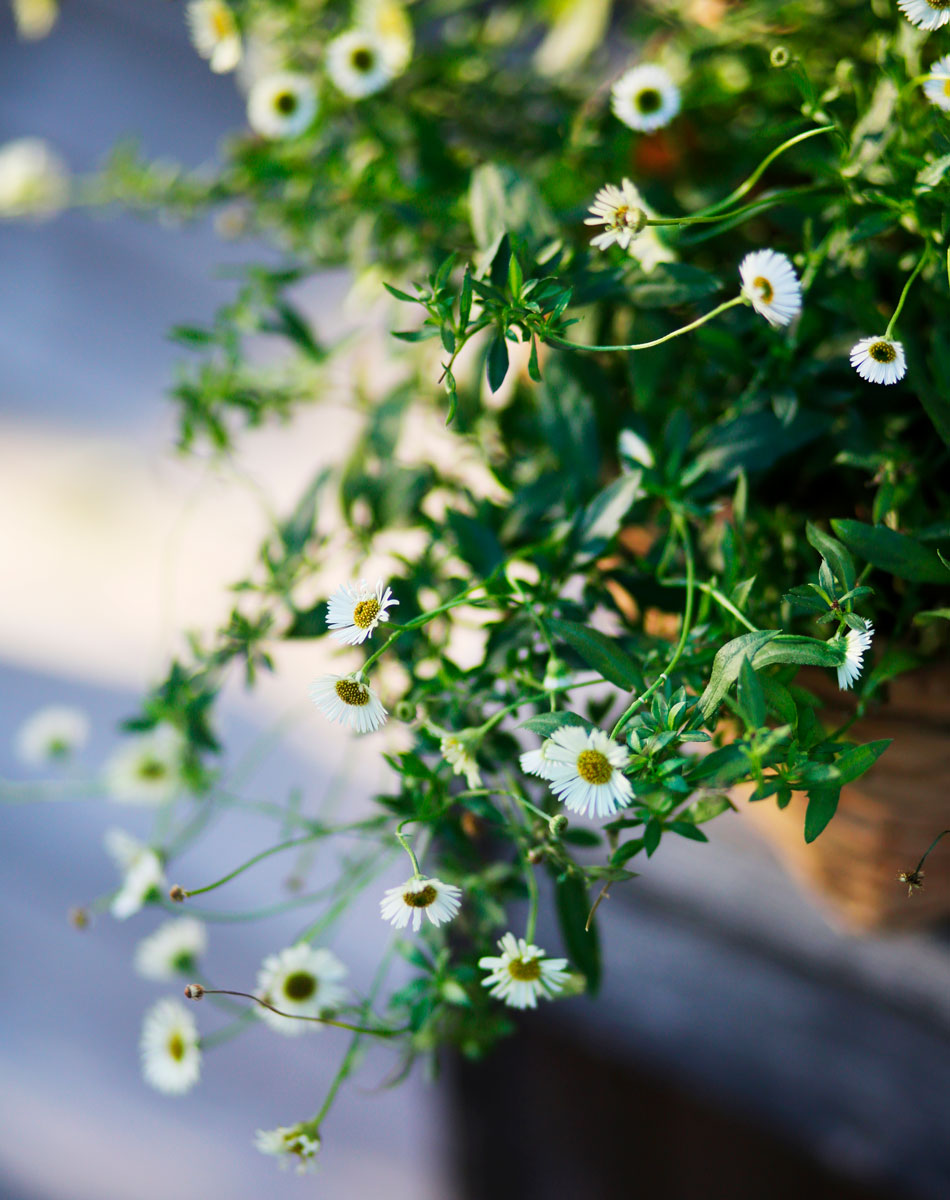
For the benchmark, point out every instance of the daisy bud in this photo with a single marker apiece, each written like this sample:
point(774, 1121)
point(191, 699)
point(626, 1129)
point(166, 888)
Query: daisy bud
point(405, 711)
point(176, 893)
point(194, 991)
point(557, 825)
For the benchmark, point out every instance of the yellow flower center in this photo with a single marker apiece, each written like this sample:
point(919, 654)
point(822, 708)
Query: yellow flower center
point(299, 986)
point(883, 352)
point(222, 22)
point(420, 899)
point(365, 613)
point(593, 767)
point(650, 100)
point(765, 289)
point(176, 1046)
point(525, 970)
point(946, 86)
point(351, 692)
point(151, 768)
point(938, 4)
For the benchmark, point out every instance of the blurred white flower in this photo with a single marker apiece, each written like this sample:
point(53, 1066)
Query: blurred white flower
point(879, 360)
point(171, 1056)
point(439, 901)
point(51, 735)
point(290, 1143)
point(927, 14)
point(621, 211)
point(536, 762)
point(35, 18)
point(857, 643)
point(937, 87)
point(34, 180)
point(586, 770)
point(771, 286)
point(522, 973)
point(141, 869)
point(455, 750)
point(282, 105)
point(146, 768)
point(303, 982)
point(353, 612)
point(214, 32)
point(359, 63)
point(645, 98)
point(172, 950)
point(389, 20)
point(349, 701)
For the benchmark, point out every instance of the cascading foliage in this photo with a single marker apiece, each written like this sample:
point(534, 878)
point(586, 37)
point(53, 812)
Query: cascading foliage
point(676, 277)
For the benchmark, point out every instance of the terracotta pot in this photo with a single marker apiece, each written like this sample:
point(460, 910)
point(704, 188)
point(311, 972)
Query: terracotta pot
point(886, 820)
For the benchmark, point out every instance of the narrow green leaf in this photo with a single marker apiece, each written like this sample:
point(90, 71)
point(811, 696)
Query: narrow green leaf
point(836, 554)
point(726, 664)
point(858, 759)
point(497, 365)
point(600, 652)
point(891, 551)
point(544, 724)
point(751, 697)
point(583, 945)
point(822, 803)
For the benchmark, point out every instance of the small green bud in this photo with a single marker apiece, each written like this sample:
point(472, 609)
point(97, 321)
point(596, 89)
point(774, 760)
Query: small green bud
point(454, 993)
point(557, 825)
point(404, 710)
point(780, 57)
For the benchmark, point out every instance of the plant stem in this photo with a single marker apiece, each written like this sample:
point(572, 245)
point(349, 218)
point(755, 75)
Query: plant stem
point(417, 874)
point(900, 303)
point(559, 341)
point(301, 841)
point(680, 526)
point(360, 1029)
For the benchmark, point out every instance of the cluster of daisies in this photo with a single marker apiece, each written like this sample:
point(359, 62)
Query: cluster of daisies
point(283, 103)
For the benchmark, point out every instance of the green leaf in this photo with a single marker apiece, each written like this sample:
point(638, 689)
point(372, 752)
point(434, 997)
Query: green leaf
point(858, 759)
point(932, 614)
point(726, 664)
point(394, 291)
point(544, 724)
point(652, 833)
point(706, 809)
point(891, 551)
point(686, 830)
point(582, 944)
point(822, 803)
point(477, 542)
point(600, 652)
point(604, 515)
point(802, 651)
point(465, 300)
point(625, 852)
point(497, 362)
point(671, 284)
point(751, 697)
point(837, 555)
point(297, 530)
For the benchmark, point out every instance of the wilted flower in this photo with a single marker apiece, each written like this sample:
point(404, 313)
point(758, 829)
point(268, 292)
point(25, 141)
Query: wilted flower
point(171, 1056)
point(879, 360)
point(215, 33)
point(645, 98)
point(302, 982)
point(621, 210)
point(521, 974)
point(439, 901)
point(456, 751)
point(34, 181)
point(353, 612)
point(282, 105)
point(771, 286)
point(290, 1143)
point(173, 949)
point(142, 874)
point(51, 735)
point(349, 701)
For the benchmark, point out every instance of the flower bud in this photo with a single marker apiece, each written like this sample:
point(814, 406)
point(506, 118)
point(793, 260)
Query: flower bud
point(194, 991)
point(557, 825)
point(779, 57)
point(405, 711)
point(177, 893)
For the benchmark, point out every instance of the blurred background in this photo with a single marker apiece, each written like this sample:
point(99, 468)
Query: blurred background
point(739, 1006)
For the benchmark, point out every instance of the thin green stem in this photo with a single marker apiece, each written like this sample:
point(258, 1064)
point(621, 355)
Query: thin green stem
point(760, 205)
point(680, 526)
point(301, 841)
point(721, 308)
point(721, 600)
point(900, 303)
point(360, 1029)
point(423, 619)
point(401, 839)
point(932, 846)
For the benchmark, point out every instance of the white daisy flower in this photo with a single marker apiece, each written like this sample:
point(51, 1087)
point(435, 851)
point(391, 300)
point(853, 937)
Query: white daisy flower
point(51, 735)
point(390, 21)
point(302, 982)
point(645, 98)
point(522, 973)
point(35, 18)
point(536, 762)
point(282, 105)
point(586, 771)
point(879, 360)
point(353, 612)
point(348, 700)
point(455, 751)
point(927, 14)
point(142, 873)
point(172, 950)
point(360, 63)
point(146, 768)
point(937, 86)
point(439, 901)
point(857, 643)
point(171, 1056)
point(34, 181)
point(214, 32)
point(771, 286)
point(289, 1143)
point(621, 210)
